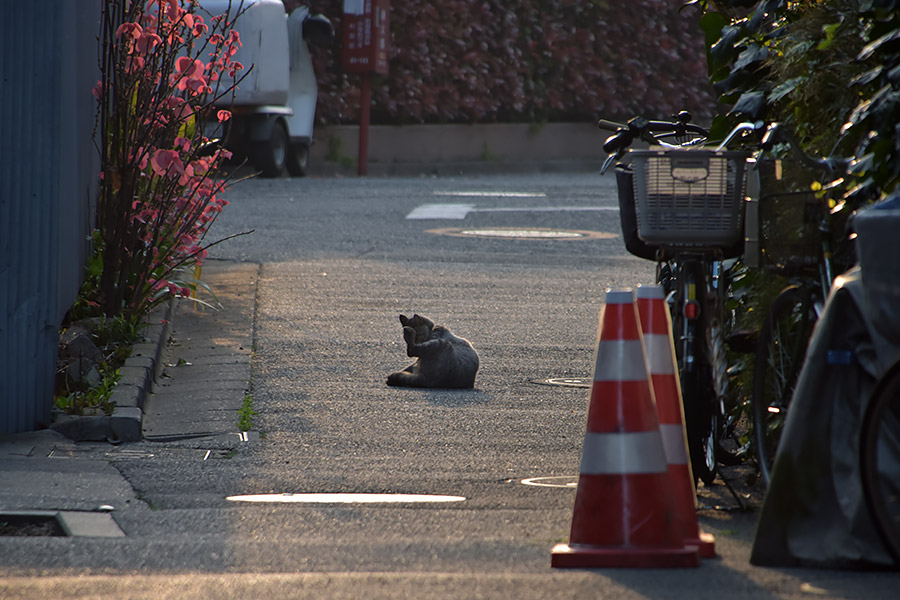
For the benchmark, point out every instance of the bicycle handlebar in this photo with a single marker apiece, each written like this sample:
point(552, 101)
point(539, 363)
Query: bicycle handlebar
point(777, 133)
point(610, 125)
point(651, 132)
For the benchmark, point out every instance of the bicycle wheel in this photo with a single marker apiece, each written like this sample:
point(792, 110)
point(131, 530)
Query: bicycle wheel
point(780, 352)
point(698, 394)
point(880, 459)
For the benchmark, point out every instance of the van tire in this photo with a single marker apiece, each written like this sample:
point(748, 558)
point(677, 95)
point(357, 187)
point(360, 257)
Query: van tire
point(270, 157)
point(298, 159)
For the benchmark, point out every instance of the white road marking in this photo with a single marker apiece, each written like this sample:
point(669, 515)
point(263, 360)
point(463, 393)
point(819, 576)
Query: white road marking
point(558, 481)
point(546, 209)
point(342, 498)
point(441, 211)
point(458, 212)
point(493, 194)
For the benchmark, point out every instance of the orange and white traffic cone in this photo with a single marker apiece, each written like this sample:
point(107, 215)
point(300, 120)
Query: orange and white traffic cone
point(623, 515)
point(656, 327)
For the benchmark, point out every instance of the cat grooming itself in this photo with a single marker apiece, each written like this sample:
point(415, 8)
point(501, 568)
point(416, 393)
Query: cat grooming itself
point(443, 360)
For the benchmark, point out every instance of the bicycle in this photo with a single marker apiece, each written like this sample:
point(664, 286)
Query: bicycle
point(789, 232)
point(681, 205)
point(879, 438)
point(834, 497)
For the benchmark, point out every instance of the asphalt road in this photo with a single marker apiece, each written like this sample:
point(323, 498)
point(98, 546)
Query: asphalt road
point(340, 259)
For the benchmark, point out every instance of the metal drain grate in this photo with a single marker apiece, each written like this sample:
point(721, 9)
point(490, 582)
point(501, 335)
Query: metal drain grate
point(67, 523)
point(30, 525)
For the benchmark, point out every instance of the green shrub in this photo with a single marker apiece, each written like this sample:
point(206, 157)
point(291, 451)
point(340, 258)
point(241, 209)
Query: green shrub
point(461, 61)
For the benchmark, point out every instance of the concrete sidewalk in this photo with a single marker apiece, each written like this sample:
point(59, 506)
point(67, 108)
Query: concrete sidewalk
point(207, 367)
point(204, 360)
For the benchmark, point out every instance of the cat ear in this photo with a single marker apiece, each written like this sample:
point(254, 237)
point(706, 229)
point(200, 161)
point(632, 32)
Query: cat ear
point(403, 320)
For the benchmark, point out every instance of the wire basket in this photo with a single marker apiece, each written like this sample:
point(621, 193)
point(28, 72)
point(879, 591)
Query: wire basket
point(689, 197)
point(789, 216)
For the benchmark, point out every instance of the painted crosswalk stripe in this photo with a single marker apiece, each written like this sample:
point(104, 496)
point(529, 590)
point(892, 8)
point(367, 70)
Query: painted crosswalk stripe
point(458, 212)
point(441, 211)
point(492, 194)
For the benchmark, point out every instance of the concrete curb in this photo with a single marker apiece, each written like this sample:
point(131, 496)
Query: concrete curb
point(459, 149)
point(137, 377)
point(455, 168)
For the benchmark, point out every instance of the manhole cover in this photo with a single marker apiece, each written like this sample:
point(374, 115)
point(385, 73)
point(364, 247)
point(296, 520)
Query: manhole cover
point(565, 481)
point(523, 233)
point(576, 382)
point(344, 498)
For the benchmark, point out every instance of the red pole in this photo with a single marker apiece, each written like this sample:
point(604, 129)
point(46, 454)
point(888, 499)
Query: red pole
point(365, 93)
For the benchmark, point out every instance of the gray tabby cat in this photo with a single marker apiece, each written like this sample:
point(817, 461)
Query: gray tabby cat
point(444, 360)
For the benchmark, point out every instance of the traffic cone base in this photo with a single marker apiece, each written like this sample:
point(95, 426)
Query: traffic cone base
point(643, 523)
point(634, 539)
point(582, 556)
point(705, 543)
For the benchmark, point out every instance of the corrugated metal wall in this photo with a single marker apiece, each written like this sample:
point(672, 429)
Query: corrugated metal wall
point(47, 66)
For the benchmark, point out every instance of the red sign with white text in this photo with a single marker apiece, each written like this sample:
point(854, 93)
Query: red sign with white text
point(366, 34)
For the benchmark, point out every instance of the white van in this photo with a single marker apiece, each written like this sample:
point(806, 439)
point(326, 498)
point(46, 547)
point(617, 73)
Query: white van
point(274, 106)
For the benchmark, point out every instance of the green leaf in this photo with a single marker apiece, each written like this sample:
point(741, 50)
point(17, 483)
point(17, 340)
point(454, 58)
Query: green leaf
point(751, 54)
point(868, 77)
point(786, 88)
point(795, 50)
point(719, 128)
point(830, 33)
point(722, 50)
point(750, 104)
point(872, 48)
point(712, 24)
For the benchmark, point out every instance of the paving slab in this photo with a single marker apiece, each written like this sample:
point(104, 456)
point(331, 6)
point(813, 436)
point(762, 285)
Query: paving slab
point(56, 482)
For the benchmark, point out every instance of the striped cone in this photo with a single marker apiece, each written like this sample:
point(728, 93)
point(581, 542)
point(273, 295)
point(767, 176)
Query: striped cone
point(623, 515)
point(656, 326)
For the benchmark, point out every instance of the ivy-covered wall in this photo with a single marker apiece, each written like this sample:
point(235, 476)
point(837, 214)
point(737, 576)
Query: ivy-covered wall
point(465, 61)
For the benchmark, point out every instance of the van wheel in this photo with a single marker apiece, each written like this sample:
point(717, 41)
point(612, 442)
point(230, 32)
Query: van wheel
point(298, 160)
point(271, 157)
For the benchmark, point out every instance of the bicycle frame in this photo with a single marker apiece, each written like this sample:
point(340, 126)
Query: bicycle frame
point(696, 303)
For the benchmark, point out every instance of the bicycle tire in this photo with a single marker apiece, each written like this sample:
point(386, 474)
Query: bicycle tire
point(698, 395)
point(880, 459)
point(780, 352)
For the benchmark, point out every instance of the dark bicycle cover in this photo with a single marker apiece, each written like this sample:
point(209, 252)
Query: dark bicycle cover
point(814, 513)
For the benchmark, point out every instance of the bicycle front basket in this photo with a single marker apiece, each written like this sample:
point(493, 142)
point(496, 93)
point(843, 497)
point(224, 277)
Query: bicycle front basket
point(690, 197)
point(789, 216)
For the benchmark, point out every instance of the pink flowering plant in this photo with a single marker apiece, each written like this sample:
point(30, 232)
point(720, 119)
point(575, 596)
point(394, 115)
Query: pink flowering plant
point(164, 67)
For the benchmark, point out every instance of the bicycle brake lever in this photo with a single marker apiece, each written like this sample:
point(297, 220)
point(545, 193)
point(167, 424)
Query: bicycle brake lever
point(612, 158)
